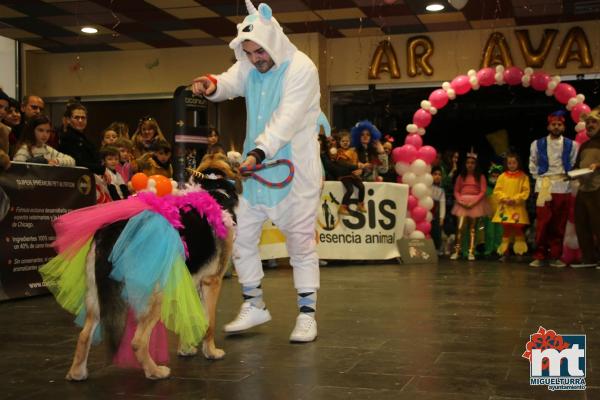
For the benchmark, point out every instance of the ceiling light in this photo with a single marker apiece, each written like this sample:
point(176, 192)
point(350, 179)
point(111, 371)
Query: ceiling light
point(89, 29)
point(434, 7)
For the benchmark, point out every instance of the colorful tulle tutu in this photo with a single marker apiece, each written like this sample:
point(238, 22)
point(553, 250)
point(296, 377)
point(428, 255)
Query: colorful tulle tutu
point(148, 256)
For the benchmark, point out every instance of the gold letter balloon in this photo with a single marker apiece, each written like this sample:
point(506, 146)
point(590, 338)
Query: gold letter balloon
point(418, 61)
point(391, 66)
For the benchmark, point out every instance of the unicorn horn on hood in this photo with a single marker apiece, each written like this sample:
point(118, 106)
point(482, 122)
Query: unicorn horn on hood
point(251, 8)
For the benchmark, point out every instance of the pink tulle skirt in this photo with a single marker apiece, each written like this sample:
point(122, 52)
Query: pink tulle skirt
point(480, 209)
point(158, 346)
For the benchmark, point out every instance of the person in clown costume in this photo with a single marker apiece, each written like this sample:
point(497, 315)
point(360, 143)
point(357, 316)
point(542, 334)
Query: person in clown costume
point(281, 88)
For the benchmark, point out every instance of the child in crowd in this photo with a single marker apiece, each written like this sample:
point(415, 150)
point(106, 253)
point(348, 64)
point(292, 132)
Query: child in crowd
point(109, 137)
point(512, 192)
point(147, 133)
point(158, 161)
point(493, 231)
point(344, 154)
point(469, 203)
point(439, 208)
point(372, 159)
point(115, 183)
point(32, 146)
point(121, 128)
point(126, 167)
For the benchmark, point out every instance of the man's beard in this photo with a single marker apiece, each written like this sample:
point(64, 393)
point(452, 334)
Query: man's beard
point(262, 66)
point(556, 133)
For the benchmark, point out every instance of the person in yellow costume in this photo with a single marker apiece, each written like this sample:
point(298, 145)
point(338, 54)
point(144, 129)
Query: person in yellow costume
point(511, 192)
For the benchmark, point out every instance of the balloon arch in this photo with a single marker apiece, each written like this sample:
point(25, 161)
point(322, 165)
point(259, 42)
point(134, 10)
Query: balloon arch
point(413, 160)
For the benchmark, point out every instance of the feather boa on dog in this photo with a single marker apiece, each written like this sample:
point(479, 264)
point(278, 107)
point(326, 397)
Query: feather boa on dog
point(148, 255)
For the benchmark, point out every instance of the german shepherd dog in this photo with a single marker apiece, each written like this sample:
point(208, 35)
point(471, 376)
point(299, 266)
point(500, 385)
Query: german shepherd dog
point(207, 262)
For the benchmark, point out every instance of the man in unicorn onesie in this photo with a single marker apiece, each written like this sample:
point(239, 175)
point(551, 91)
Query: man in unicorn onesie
point(281, 87)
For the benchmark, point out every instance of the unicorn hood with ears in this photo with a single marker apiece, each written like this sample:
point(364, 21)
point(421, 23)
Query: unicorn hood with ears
point(262, 28)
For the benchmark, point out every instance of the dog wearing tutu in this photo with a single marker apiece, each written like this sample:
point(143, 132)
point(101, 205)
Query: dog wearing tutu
point(160, 258)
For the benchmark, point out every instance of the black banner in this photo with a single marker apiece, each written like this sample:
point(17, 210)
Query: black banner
point(31, 197)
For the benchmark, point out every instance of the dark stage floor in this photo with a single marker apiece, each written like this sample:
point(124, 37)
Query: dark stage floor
point(453, 331)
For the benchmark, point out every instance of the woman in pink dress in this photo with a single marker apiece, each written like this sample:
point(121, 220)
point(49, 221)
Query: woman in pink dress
point(469, 203)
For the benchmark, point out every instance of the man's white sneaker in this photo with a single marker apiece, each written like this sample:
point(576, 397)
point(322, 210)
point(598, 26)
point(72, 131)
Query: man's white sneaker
point(536, 263)
point(305, 329)
point(557, 263)
point(248, 317)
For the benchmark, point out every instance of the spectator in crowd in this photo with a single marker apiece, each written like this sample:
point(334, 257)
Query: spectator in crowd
point(587, 202)
point(4, 134)
point(4, 129)
point(212, 137)
point(146, 134)
point(372, 159)
point(439, 208)
point(388, 146)
point(469, 204)
point(492, 229)
point(126, 166)
point(550, 158)
point(449, 168)
point(511, 193)
point(121, 128)
point(158, 161)
point(74, 142)
point(12, 119)
point(345, 154)
point(115, 183)
point(32, 106)
point(33, 147)
point(109, 137)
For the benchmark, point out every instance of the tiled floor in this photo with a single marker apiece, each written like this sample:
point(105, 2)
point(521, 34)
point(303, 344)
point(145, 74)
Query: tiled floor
point(453, 331)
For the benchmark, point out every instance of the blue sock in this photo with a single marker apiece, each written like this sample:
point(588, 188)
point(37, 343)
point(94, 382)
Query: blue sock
point(307, 302)
point(254, 295)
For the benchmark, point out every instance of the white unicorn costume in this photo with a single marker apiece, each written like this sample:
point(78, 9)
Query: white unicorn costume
point(282, 113)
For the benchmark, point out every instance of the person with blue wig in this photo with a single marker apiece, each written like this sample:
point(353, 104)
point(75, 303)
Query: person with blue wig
point(372, 158)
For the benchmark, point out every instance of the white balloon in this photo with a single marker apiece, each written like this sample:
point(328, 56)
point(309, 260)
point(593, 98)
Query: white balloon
point(153, 190)
point(417, 235)
point(174, 184)
point(420, 191)
point(528, 71)
point(421, 131)
point(446, 86)
point(458, 4)
point(426, 178)
point(451, 94)
point(549, 92)
point(409, 226)
point(409, 178)
point(418, 167)
point(411, 128)
point(425, 104)
point(500, 68)
point(499, 78)
point(572, 101)
point(426, 203)
point(552, 85)
point(471, 72)
point(580, 126)
point(433, 110)
point(151, 183)
point(580, 98)
point(401, 168)
point(476, 87)
point(429, 216)
point(556, 79)
point(473, 80)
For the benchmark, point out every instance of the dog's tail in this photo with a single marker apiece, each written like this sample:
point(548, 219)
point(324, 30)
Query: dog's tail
point(113, 309)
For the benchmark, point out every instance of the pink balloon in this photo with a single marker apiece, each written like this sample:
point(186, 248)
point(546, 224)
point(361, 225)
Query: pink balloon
point(418, 213)
point(461, 84)
point(539, 81)
point(438, 98)
point(412, 201)
point(427, 154)
point(564, 92)
point(582, 137)
point(422, 118)
point(414, 139)
point(486, 76)
point(513, 75)
point(406, 153)
point(579, 109)
point(424, 227)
